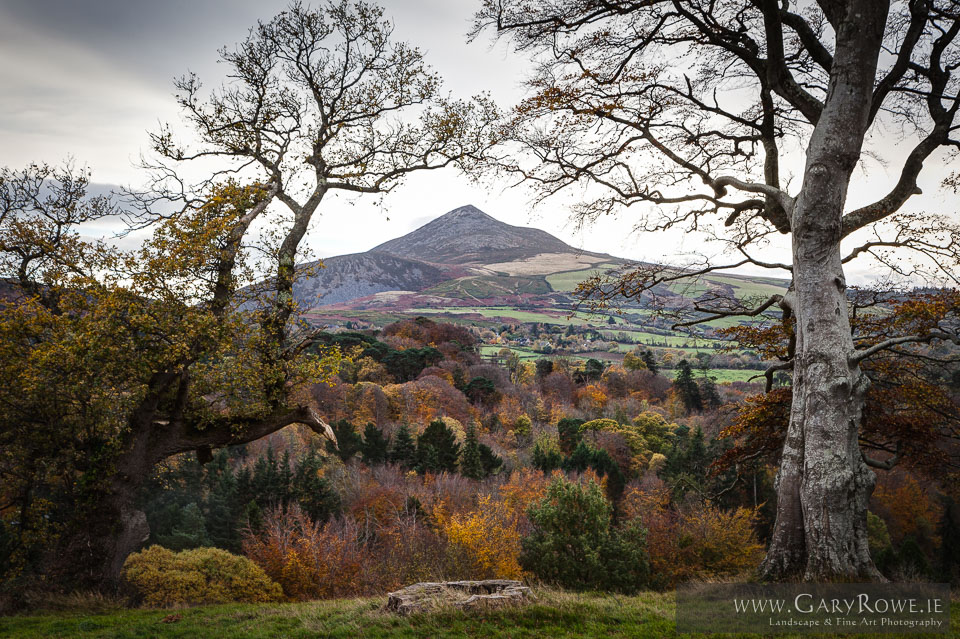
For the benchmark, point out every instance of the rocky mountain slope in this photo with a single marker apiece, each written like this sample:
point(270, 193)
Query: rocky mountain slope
point(464, 244)
point(348, 277)
point(467, 235)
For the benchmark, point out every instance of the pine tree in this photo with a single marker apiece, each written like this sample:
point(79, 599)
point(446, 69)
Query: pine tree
point(687, 387)
point(191, 532)
point(568, 430)
point(651, 363)
point(546, 461)
point(708, 389)
point(221, 507)
point(349, 442)
point(490, 461)
point(404, 451)
point(437, 439)
point(312, 491)
point(470, 464)
point(375, 447)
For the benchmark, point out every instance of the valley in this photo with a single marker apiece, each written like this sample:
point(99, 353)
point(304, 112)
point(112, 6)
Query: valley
point(515, 286)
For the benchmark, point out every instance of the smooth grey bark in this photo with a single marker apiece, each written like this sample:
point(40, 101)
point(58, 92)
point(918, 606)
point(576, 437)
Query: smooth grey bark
point(822, 465)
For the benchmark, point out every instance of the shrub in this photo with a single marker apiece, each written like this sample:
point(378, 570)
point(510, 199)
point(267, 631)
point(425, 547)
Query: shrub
point(310, 560)
point(694, 542)
point(575, 545)
point(485, 542)
point(161, 577)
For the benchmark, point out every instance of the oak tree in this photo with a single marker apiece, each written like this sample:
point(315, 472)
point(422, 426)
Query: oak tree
point(114, 361)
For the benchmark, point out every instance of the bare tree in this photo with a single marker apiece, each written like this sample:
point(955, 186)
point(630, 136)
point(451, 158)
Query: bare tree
point(687, 110)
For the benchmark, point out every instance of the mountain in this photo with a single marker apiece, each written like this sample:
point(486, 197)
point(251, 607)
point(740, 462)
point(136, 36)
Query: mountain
point(466, 262)
point(348, 277)
point(463, 249)
point(467, 235)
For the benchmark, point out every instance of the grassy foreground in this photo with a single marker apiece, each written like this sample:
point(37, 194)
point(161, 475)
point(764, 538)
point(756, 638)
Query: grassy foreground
point(555, 614)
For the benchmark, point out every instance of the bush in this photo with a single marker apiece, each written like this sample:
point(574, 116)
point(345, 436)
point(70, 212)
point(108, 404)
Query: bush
point(161, 577)
point(695, 542)
point(484, 543)
point(311, 560)
point(574, 544)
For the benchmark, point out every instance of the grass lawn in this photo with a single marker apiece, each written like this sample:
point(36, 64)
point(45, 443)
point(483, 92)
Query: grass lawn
point(555, 614)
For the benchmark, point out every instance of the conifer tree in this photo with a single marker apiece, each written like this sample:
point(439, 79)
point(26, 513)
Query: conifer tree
point(437, 448)
point(375, 447)
point(313, 492)
point(687, 388)
point(404, 451)
point(348, 443)
point(470, 464)
point(490, 461)
point(651, 363)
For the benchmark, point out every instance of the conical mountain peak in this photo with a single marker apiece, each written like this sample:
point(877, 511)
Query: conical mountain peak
point(468, 235)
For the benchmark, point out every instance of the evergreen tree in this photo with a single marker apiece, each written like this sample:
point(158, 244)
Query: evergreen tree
point(349, 442)
point(269, 488)
point(574, 543)
point(546, 461)
point(312, 491)
point(404, 451)
point(687, 388)
point(592, 370)
point(687, 461)
point(481, 390)
point(708, 392)
point(470, 463)
point(221, 506)
point(439, 441)
point(568, 430)
point(544, 368)
point(708, 389)
point(191, 532)
point(252, 517)
point(580, 459)
point(651, 363)
point(428, 461)
point(460, 379)
point(598, 460)
point(489, 460)
point(375, 447)
point(949, 532)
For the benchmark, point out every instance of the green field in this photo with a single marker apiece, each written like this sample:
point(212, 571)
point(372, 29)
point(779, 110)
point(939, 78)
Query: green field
point(751, 287)
point(567, 281)
point(724, 375)
point(489, 350)
point(578, 318)
point(553, 614)
point(670, 341)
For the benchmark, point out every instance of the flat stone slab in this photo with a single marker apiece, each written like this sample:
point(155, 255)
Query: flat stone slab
point(466, 595)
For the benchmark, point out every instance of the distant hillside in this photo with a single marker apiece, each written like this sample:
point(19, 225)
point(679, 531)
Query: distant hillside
point(468, 259)
point(467, 235)
point(450, 249)
point(348, 277)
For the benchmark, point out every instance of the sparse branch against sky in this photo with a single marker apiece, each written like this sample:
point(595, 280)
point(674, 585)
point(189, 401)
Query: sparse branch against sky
point(89, 79)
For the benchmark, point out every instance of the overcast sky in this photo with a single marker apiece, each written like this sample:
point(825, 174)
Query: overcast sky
point(88, 78)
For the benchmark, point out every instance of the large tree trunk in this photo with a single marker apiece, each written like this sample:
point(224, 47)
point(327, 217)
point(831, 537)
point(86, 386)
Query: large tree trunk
point(93, 554)
point(822, 465)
